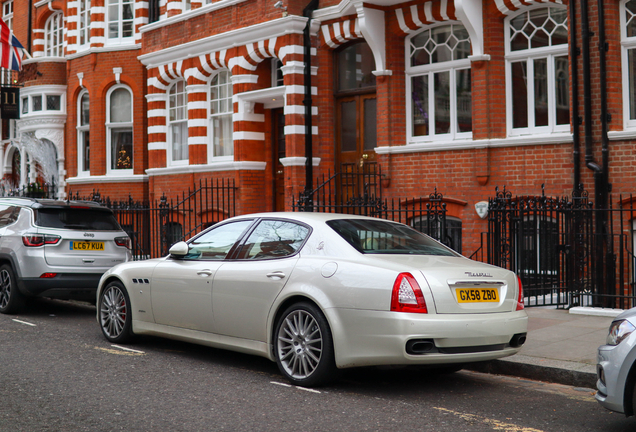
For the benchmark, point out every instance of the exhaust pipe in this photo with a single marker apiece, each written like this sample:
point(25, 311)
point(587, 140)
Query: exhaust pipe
point(420, 346)
point(518, 340)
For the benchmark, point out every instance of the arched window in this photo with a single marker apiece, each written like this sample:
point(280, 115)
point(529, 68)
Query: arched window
point(628, 43)
point(221, 109)
point(83, 134)
point(120, 21)
point(178, 123)
point(84, 24)
point(53, 36)
point(537, 71)
point(119, 130)
point(439, 84)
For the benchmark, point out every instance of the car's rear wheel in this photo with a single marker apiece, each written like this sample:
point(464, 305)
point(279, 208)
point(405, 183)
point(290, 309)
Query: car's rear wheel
point(115, 316)
point(304, 346)
point(11, 299)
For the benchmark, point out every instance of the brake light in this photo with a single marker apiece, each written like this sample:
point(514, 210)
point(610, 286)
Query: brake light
point(520, 305)
point(33, 240)
point(407, 295)
point(124, 242)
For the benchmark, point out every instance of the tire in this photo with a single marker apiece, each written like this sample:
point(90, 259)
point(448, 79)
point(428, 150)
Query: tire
point(115, 317)
point(11, 299)
point(303, 346)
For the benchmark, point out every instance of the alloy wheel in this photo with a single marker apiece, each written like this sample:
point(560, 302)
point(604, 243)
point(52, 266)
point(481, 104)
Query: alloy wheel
point(113, 311)
point(299, 344)
point(5, 288)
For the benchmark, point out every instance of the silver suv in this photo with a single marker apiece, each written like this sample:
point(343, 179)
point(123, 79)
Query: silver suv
point(56, 249)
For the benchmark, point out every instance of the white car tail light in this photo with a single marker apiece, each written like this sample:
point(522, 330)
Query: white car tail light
point(124, 242)
point(32, 240)
point(520, 298)
point(407, 295)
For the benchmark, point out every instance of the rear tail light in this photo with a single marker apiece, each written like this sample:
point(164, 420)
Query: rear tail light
point(47, 275)
point(407, 295)
point(123, 241)
point(32, 240)
point(520, 298)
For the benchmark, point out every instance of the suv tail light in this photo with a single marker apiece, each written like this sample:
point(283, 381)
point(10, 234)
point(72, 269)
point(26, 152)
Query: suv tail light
point(32, 240)
point(407, 295)
point(520, 305)
point(123, 241)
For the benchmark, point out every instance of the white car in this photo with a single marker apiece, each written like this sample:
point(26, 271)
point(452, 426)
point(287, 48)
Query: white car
point(316, 292)
point(616, 368)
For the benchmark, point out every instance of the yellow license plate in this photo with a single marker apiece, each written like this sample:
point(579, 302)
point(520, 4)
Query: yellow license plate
point(477, 295)
point(87, 245)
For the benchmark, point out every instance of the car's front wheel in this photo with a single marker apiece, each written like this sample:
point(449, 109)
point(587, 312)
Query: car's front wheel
point(11, 299)
point(115, 316)
point(304, 346)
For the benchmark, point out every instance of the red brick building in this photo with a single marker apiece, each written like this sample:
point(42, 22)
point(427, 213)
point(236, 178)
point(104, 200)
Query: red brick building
point(144, 98)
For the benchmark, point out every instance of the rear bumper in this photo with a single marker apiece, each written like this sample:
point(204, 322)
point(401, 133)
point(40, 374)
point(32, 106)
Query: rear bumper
point(81, 286)
point(367, 338)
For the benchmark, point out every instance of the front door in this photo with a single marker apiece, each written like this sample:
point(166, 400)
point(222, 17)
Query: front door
point(357, 133)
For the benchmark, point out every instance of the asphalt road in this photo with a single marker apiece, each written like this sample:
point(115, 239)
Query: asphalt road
point(57, 373)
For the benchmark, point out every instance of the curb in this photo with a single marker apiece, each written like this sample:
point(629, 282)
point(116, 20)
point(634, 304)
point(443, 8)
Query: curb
point(573, 374)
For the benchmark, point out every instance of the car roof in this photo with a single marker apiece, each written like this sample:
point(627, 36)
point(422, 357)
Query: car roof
point(309, 217)
point(49, 203)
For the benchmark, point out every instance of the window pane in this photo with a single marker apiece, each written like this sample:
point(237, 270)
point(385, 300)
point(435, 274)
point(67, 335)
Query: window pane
point(355, 64)
point(370, 124)
point(223, 135)
point(274, 239)
point(122, 150)
point(631, 70)
point(120, 106)
point(630, 17)
point(519, 95)
point(85, 110)
point(85, 148)
point(37, 103)
point(540, 92)
point(442, 102)
point(217, 243)
point(464, 101)
point(562, 90)
point(419, 107)
point(179, 141)
point(53, 103)
point(348, 126)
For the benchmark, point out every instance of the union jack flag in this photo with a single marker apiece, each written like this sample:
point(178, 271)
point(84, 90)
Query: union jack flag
point(11, 49)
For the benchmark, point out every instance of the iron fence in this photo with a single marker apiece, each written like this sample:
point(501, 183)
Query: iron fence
point(566, 251)
point(154, 226)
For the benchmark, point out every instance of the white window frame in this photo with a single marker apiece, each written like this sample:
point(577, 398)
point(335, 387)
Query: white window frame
point(627, 44)
point(529, 55)
point(54, 36)
point(230, 112)
point(186, 5)
point(110, 126)
point(84, 23)
point(81, 131)
point(452, 67)
point(119, 39)
point(7, 13)
point(177, 122)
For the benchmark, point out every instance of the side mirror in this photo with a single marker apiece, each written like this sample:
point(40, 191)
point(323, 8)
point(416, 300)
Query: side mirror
point(179, 249)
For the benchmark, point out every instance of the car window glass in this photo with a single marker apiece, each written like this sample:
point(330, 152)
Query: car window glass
point(274, 239)
point(383, 237)
point(8, 215)
point(77, 218)
point(217, 243)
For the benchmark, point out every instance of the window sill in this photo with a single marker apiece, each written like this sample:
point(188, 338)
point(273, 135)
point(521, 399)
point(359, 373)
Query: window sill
point(108, 178)
point(416, 147)
point(621, 135)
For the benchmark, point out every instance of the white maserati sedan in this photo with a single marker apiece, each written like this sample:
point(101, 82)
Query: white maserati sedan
point(316, 292)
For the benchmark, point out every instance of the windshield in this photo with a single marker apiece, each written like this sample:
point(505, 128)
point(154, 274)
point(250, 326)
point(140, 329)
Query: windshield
point(383, 237)
point(77, 218)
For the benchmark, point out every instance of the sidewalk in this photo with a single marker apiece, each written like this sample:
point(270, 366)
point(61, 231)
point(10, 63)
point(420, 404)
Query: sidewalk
point(560, 348)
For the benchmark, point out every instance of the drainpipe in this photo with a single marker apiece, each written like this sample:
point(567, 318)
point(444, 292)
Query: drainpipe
point(30, 26)
point(576, 121)
point(307, 102)
point(605, 116)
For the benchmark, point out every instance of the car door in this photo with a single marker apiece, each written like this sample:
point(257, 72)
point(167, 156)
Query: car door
point(181, 290)
point(245, 288)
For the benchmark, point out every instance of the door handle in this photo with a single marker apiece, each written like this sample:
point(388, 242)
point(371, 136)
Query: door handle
point(276, 275)
point(205, 273)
